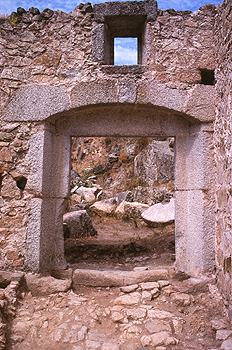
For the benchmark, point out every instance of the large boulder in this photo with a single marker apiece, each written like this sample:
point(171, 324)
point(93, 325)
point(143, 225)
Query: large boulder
point(78, 224)
point(130, 210)
point(151, 195)
point(105, 207)
point(155, 164)
point(160, 214)
point(87, 194)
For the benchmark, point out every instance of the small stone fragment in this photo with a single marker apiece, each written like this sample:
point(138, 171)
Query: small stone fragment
point(126, 300)
point(156, 326)
point(168, 290)
point(134, 329)
point(178, 327)
point(129, 289)
point(223, 334)
point(136, 313)
point(155, 293)
point(81, 334)
point(162, 338)
point(117, 317)
point(163, 283)
point(149, 285)
point(91, 344)
point(219, 324)
point(110, 346)
point(145, 340)
point(146, 296)
point(181, 299)
point(161, 314)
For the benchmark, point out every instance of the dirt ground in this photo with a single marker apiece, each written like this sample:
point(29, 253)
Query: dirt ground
point(121, 245)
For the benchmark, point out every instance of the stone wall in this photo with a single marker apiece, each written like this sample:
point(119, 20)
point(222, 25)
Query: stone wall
point(222, 141)
point(56, 49)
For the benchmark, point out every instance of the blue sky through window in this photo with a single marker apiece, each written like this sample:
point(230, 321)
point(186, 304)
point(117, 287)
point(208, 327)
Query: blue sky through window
point(125, 51)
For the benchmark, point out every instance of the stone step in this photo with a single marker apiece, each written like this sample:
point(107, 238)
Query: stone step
point(108, 278)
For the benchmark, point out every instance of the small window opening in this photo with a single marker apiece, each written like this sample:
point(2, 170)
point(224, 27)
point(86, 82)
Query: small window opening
point(207, 77)
point(125, 51)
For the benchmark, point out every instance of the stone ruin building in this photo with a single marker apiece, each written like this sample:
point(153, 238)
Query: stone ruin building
point(58, 80)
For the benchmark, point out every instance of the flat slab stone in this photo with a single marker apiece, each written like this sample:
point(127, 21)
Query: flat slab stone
point(160, 213)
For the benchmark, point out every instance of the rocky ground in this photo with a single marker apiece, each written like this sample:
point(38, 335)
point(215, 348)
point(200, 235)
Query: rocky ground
point(163, 315)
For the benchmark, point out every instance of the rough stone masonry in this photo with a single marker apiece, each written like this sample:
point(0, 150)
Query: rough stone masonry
point(58, 79)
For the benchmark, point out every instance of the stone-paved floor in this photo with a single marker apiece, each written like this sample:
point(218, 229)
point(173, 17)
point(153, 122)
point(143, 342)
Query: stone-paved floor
point(187, 315)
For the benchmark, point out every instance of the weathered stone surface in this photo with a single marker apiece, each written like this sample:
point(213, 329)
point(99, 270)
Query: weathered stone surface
point(134, 210)
point(146, 295)
point(148, 285)
point(110, 346)
point(126, 9)
point(97, 278)
point(117, 316)
point(5, 155)
point(151, 195)
point(127, 300)
point(78, 224)
point(219, 324)
point(136, 313)
point(124, 196)
point(201, 102)
point(36, 102)
point(5, 278)
point(9, 188)
point(155, 164)
point(103, 208)
point(129, 289)
point(223, 334)
point(160, 213)
point(112, 278)
point(155, 293)
point(160, 314)
point(160, 95)
point(104, 91)
point(156, 326)
point(46, 285)
point(127, 91)
point(120, 210)
point(87, 194)
point(181, 299)
point(227, 344)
